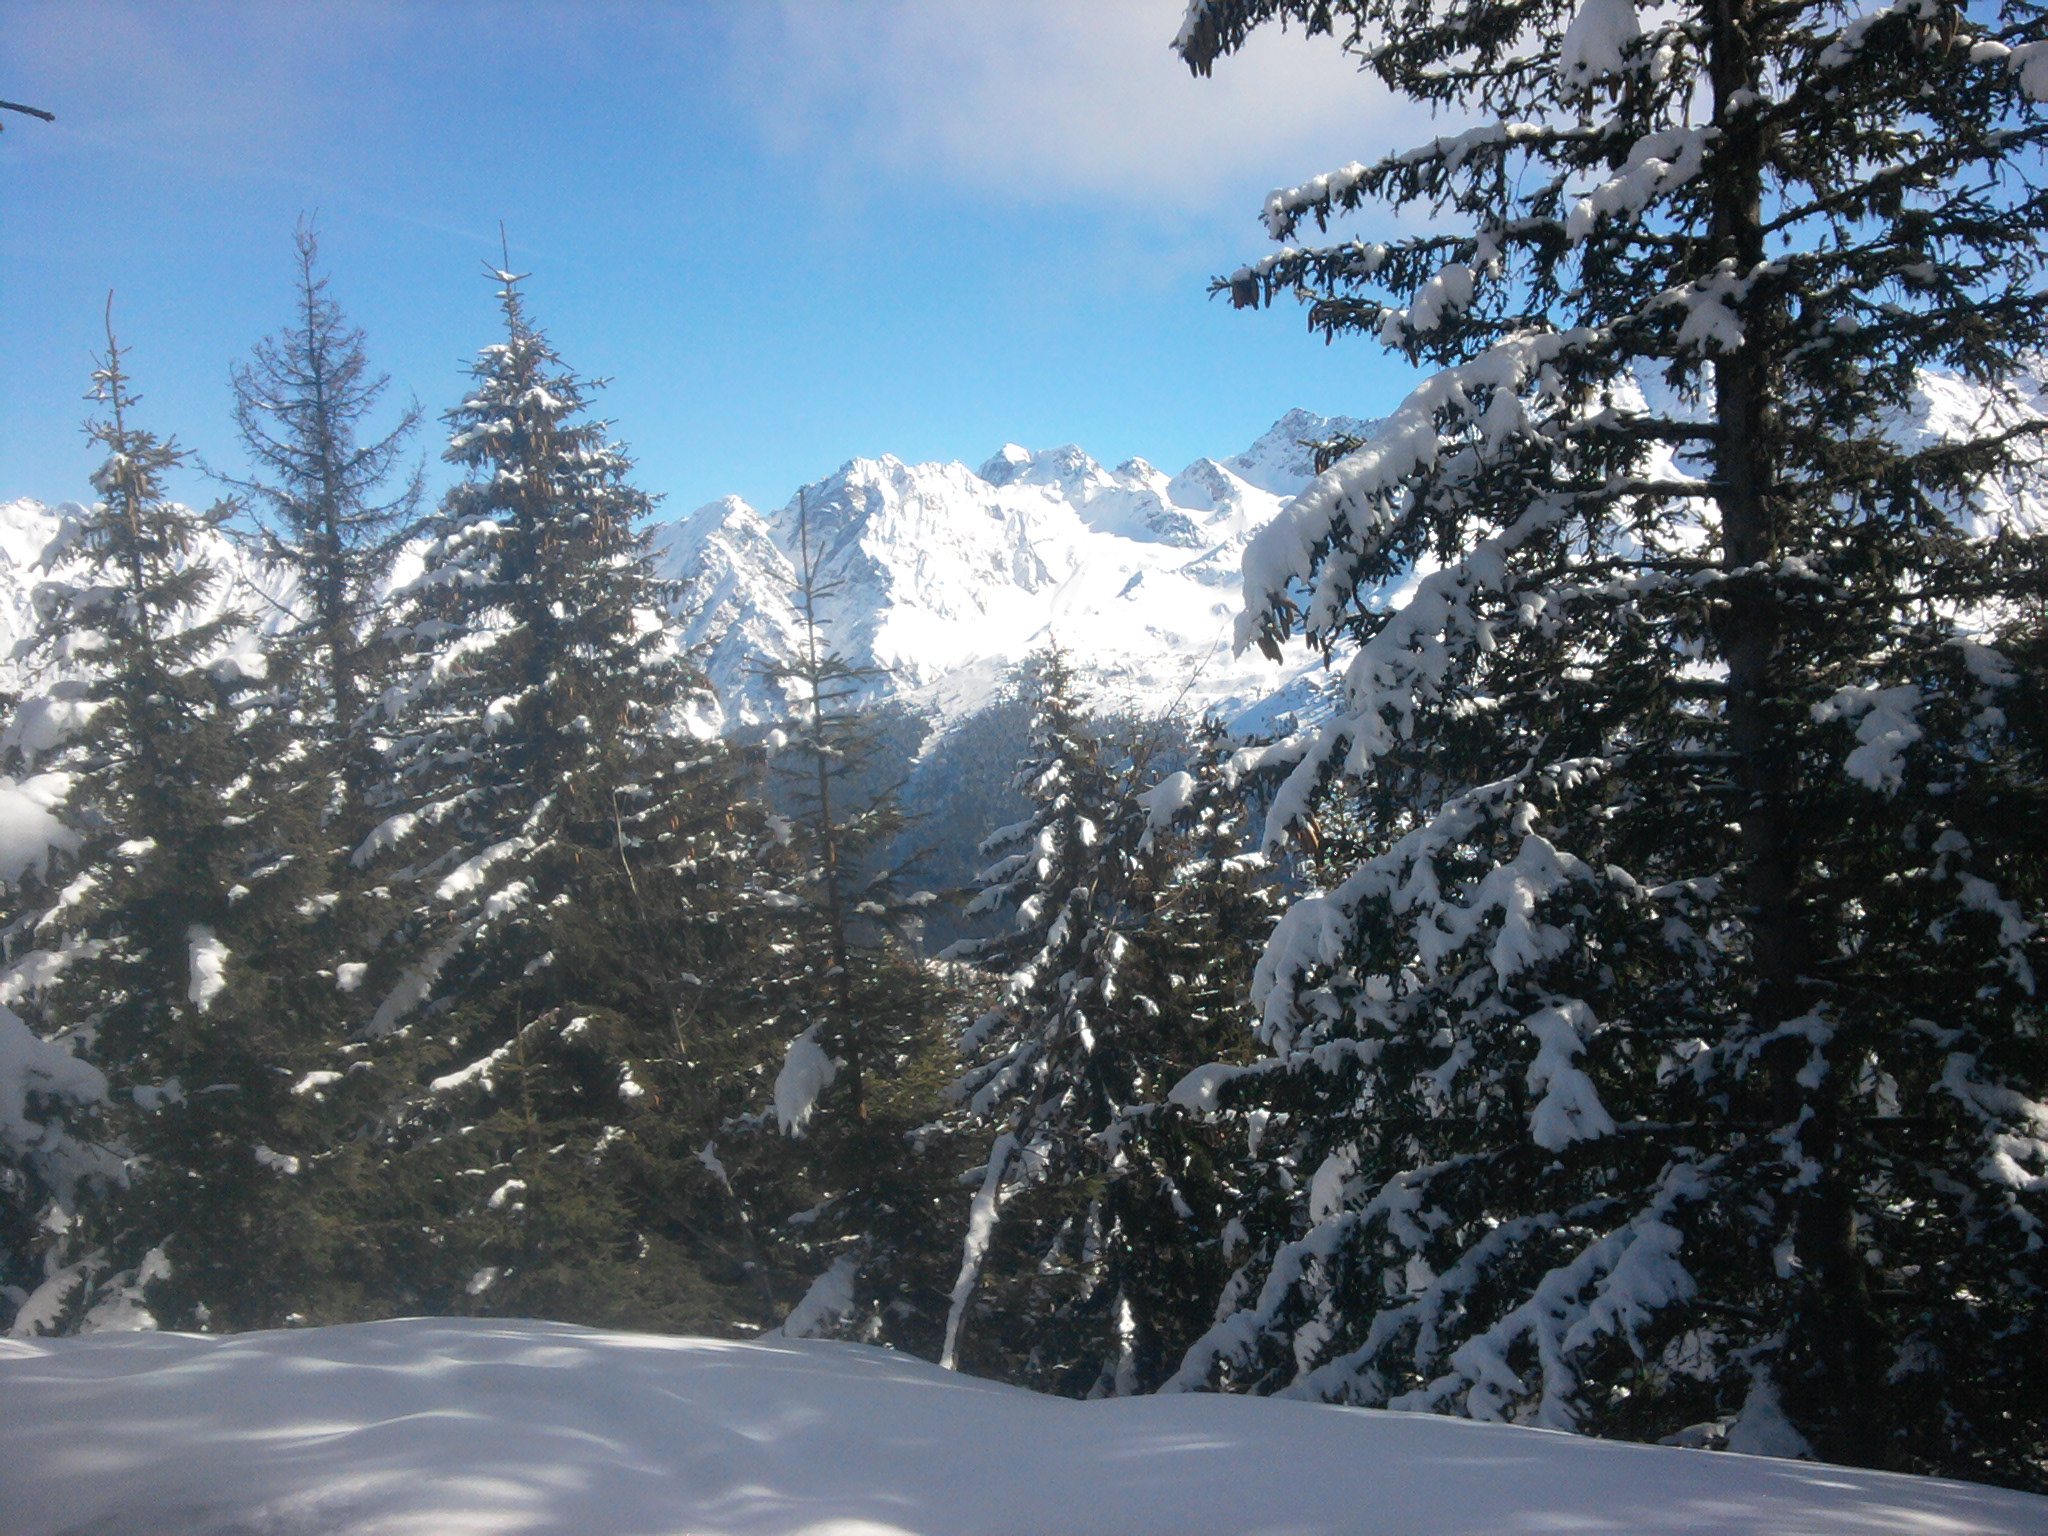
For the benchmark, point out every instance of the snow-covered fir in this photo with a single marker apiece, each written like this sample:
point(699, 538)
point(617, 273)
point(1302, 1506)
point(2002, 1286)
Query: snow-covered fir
point(1675, 833)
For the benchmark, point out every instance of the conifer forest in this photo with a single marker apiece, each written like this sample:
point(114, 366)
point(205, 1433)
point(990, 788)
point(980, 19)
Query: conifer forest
point(1608, 999)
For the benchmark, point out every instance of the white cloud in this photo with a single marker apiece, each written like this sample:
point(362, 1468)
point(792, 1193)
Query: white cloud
point(1039, 100)
point(1054, 98)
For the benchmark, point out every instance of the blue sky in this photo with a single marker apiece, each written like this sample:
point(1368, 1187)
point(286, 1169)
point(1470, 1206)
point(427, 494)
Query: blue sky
point(790, 233)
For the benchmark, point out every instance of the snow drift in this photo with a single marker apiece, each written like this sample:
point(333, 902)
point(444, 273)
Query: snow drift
point(431, 1427)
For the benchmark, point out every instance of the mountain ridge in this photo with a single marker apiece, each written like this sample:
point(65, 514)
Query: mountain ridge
point(942, 578)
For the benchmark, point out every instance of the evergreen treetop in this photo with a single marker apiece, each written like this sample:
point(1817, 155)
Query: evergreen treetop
point(134, 940)
point(319, 491)
point(541, 691)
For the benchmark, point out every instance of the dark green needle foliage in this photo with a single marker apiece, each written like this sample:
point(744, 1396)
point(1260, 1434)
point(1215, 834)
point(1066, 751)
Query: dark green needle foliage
point(572, 868)
point(144, 936)
point(1666, 1058)
point(1095, 1235)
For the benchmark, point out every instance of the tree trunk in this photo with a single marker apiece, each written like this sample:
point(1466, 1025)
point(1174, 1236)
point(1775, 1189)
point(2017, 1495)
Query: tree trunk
point(1833, 1380)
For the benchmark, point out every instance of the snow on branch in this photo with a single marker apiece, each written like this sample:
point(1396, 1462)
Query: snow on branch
point(807, 1071)
point(1350, 185)
point(2028, 65)
point(1657, 163)
point(1570, 1109)
point(1404, 666)
point(36, 1074)
point(1358, 494)
point(1317, 931)
point(30, 829)
point(1232, 1341)
point(1885, 727)
point(1612, 1287)
point(208, 959)
point(1597, 44)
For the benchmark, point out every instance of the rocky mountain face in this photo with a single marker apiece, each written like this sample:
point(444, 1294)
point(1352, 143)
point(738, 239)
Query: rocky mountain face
point(942, 577)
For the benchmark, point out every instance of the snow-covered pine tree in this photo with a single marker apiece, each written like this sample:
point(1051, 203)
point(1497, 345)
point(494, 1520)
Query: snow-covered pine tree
point(1670, 1061)
point(330, 515)
point(1170, 1180)
point(850, 1160)
point(1048, 1065)
point(1105, 1261)
point(568, 855)
point(537, 680)
point(133, 937)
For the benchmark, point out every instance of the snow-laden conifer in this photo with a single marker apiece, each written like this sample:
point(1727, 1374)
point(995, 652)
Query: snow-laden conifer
point(539, 690)
point(571, 970)
point(1666, 1058)
point(1100, 1259)
point(1047, 1070)
point(1171, 1182)
point(840, 827)
point(131, 931)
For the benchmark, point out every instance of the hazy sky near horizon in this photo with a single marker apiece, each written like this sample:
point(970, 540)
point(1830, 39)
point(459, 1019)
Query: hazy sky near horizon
point(790, 232)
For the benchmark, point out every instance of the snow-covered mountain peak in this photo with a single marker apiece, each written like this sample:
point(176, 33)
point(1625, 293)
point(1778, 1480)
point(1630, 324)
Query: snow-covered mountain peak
point(1005, 464)
point(1129, 501)
point(940, 576)
point(944, 577)
point(1282, 461)
point(26, 529)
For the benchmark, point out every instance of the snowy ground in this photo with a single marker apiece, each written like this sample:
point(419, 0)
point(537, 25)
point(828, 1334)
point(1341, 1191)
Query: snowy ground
point(456, 1428)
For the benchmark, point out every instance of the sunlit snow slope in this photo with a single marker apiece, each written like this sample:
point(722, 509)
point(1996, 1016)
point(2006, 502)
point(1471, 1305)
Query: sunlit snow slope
point(465, 1427)
point(36, 546)
point(945, 577)
point(940, 576)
